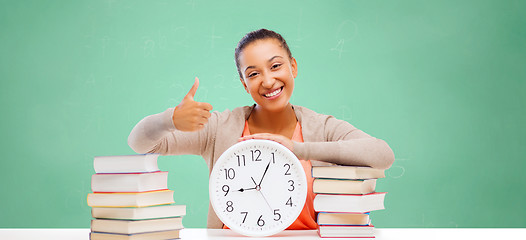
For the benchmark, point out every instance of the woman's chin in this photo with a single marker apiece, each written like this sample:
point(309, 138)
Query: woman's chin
point(274, 106)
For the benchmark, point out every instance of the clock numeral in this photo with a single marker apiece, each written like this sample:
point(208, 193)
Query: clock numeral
point(273, 158)
point(289, 202)
point(226, 189)
point(258, 152)
point(245, 218)
point(292, 185)
point(239, 160)
point(230, 173)
point(229, 206)
point(277, 215)
point(261, 222)
point(288, 168)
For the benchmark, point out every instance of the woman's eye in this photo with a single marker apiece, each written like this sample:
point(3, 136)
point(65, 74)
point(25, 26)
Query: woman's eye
point(276, 66)
point(252, 75)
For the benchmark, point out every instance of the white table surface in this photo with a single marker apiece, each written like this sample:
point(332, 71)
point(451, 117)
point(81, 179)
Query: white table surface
point(219, 234)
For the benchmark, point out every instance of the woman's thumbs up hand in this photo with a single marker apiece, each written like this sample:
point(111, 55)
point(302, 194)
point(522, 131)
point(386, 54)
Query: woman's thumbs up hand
point(190, 115)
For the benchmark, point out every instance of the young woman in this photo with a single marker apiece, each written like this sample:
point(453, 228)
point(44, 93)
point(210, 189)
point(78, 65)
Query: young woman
point(267, 71)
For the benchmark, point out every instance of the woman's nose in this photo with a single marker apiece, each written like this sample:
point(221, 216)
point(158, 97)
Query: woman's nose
point(268, 81)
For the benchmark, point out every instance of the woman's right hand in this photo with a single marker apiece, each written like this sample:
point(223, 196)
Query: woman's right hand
point(190, 115)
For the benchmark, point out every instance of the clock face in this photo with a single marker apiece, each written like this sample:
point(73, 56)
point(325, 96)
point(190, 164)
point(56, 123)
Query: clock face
point(258, 187)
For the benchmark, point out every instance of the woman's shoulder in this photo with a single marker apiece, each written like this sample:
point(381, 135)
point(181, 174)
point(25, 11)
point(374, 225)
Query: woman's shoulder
point(318, 126)
point(303, 113)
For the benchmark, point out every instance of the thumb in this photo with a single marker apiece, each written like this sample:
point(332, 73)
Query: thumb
point(193, 90)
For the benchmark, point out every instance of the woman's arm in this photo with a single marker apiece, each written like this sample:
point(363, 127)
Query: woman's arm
point(343, 144)
point(370, 152)
point(179, 130)
point(336, 141)
point(157, 134)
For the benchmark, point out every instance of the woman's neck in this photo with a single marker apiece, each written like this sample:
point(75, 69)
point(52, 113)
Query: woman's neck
point(261, 120)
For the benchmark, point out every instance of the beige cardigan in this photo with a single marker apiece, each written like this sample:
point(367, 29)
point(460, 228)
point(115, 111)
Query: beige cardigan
point(327, 140)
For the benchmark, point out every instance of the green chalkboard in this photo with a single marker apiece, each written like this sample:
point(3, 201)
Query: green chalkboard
point(443, 82)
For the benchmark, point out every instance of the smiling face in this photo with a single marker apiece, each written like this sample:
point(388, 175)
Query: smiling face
point(268, 73)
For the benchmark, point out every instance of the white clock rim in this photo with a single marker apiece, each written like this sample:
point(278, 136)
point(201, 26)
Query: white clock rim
point(224, 157)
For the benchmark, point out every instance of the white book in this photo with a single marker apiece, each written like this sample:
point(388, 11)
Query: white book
point(131, 200)
point(133, 226)
point(170, 234)
point(347, 172)
point(163, 211)
point(341, 186)
point(349, 203)
point(333, 218)
point(126, 163)
point(129, 182)
point(346, 231)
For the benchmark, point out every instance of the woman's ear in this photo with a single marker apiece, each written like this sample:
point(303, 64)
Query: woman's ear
point(294, 66)
point(244, 85)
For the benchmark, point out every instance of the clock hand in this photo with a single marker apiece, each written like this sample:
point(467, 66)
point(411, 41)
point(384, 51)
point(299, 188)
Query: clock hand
point(268, 165)
point(242, 190)
point(254, 188)
point(264, 198)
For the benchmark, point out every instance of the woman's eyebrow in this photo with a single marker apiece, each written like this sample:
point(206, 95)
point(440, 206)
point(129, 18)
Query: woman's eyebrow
point(272, 58)
point(248, 68)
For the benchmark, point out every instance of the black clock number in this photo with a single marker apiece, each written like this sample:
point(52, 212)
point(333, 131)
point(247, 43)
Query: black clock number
point(289, 202)
point(230, 173)
point(261, 222)
point(288, 168)
point(273, 158)
point(229, 206)
point(256, 158)
point(277, 215)
point(245, 218)
point(226, 189)
point(240, 159)
point(292, 185)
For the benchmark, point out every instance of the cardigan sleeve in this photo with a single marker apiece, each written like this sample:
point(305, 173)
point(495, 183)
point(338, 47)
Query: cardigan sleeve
point(157, 134)
point(341, 143)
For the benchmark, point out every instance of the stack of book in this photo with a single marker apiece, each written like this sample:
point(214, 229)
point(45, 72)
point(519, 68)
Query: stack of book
point(345, 197)
point(131, 200)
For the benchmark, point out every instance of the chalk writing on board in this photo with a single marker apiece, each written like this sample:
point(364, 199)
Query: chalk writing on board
point(105, 43)
point(90, 82)
point(219, 81)
point(339, 48)
point(396, 172)
point(163, 41)
point(346, 31)
point(228, 83)
point(299, 38)
point(213, 37)
point(148, 46)
point(191, 3)
point(126, 45)
point(178, 92)
point(182, 35)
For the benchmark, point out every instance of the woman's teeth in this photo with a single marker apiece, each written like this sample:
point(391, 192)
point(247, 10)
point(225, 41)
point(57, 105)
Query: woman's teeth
point(272, 94)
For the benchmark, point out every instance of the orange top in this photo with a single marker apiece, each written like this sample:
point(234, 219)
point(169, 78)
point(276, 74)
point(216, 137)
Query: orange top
point(307, 218)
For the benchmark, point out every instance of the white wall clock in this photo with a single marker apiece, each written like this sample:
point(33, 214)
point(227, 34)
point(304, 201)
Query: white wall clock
point(258, 187)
